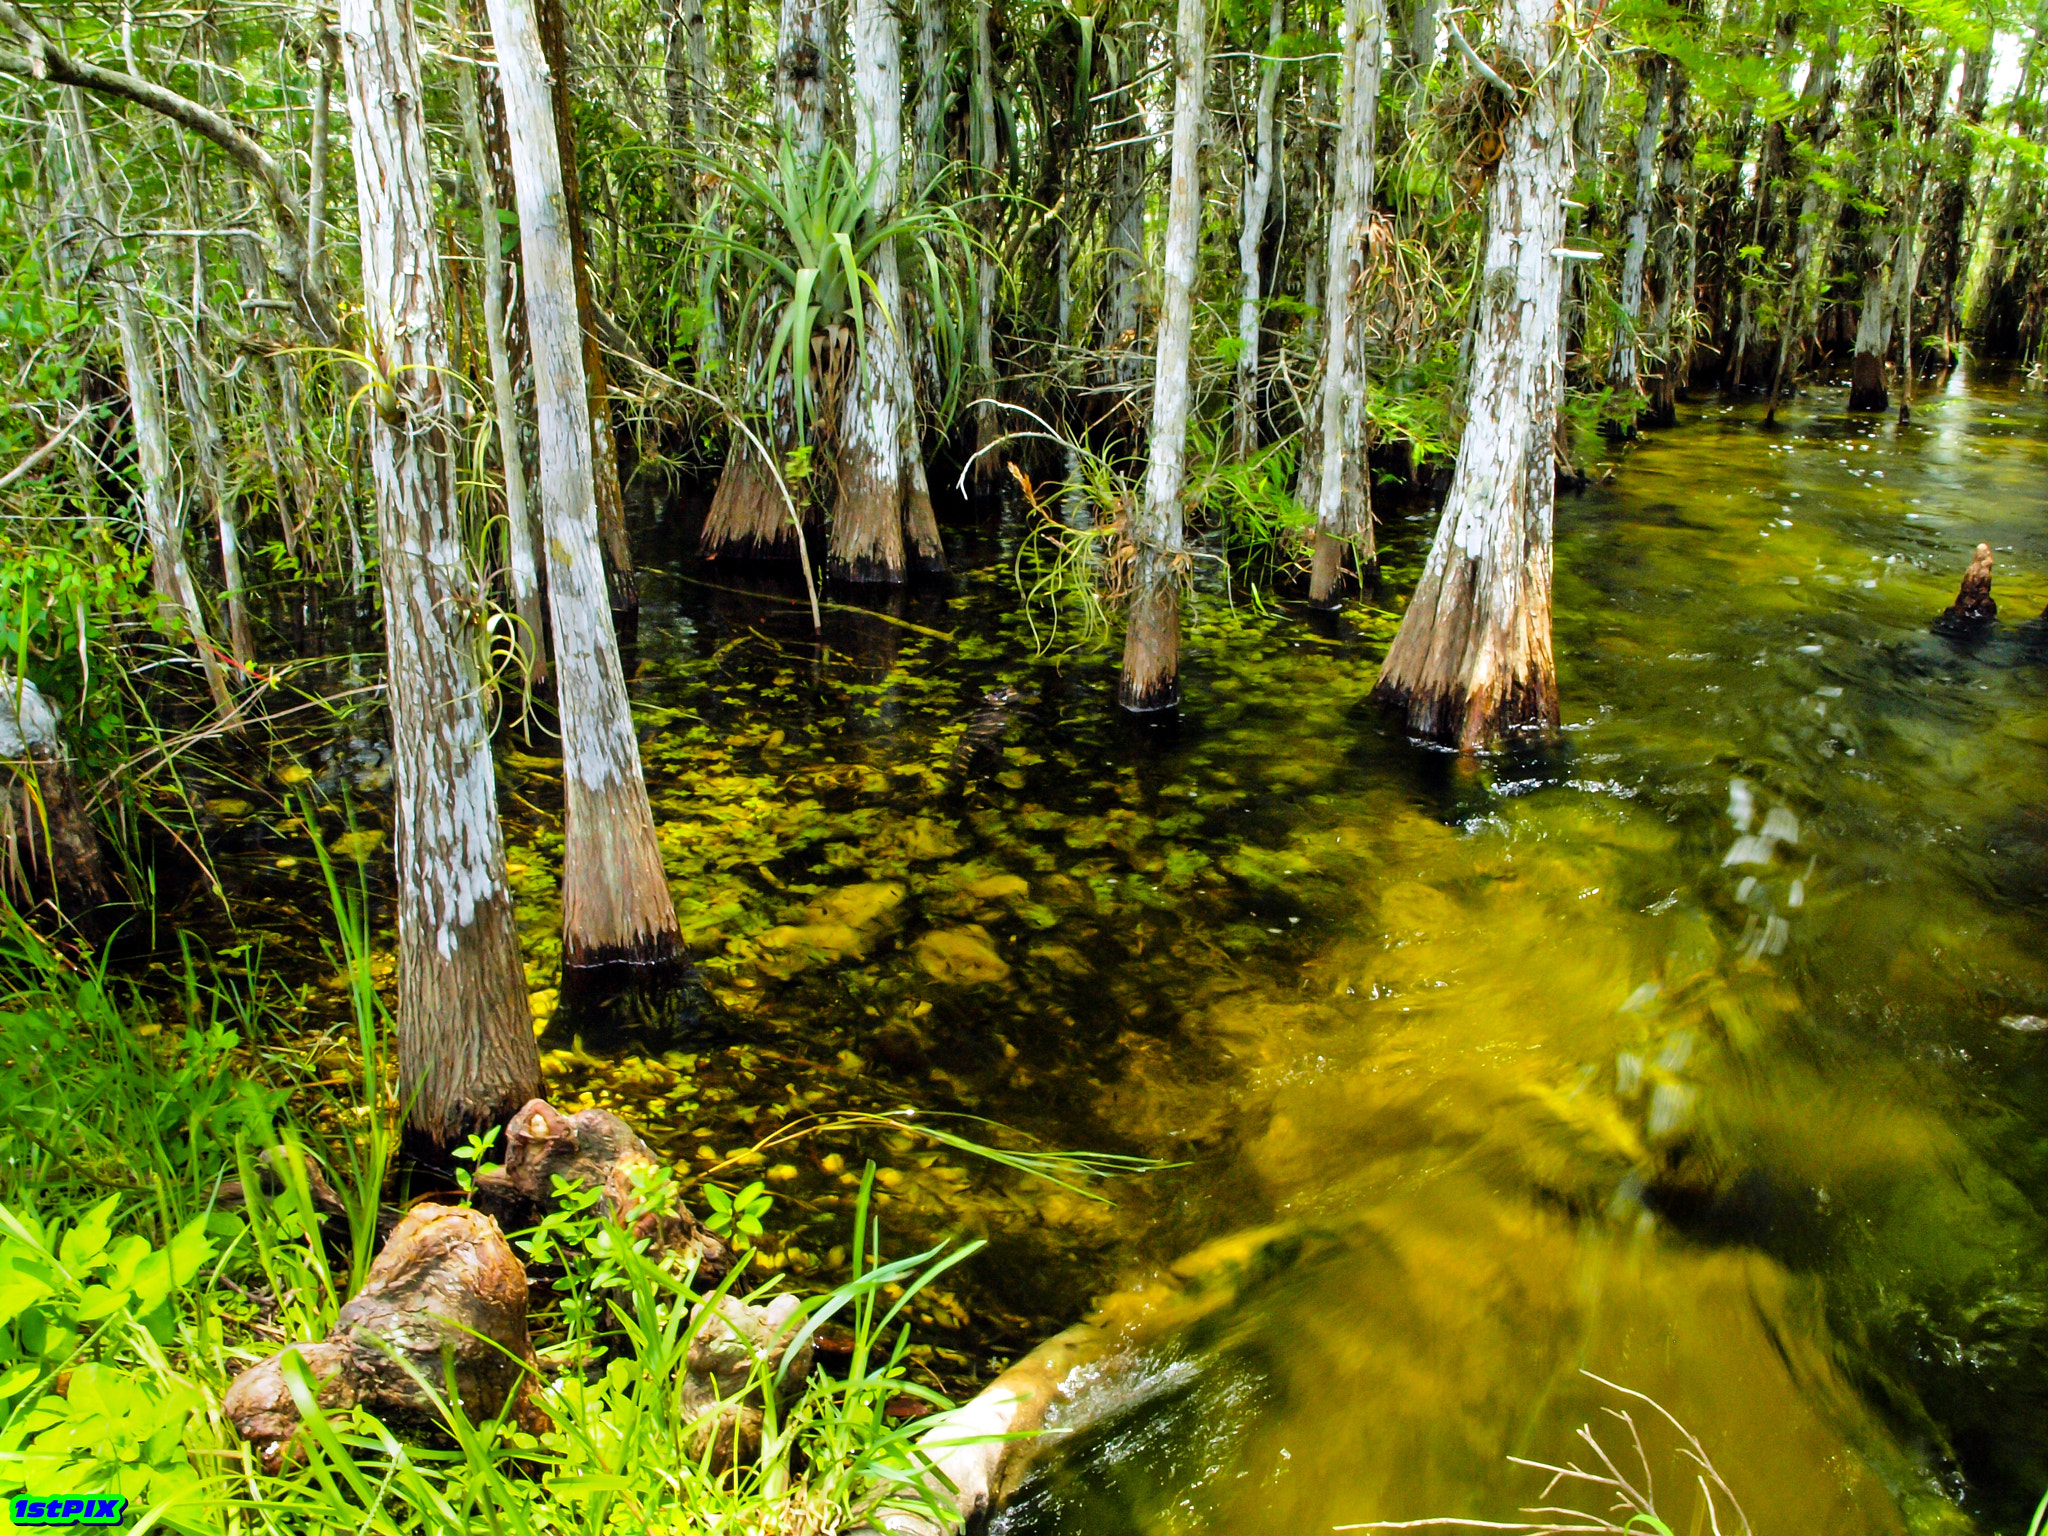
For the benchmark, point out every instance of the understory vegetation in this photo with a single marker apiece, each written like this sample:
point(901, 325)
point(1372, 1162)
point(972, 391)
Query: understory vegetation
point(136, 1283)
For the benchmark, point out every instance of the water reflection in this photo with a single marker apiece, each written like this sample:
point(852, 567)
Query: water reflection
point(1684, 1051)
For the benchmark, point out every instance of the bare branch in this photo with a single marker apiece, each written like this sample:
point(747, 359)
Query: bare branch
point(44, 60)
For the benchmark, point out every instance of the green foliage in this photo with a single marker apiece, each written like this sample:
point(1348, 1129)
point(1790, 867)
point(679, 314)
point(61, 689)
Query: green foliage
point(799, 250)
point(85, 1317)
point(737, 1213)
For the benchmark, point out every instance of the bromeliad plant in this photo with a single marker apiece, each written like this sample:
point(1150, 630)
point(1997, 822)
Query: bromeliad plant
point(799, 255)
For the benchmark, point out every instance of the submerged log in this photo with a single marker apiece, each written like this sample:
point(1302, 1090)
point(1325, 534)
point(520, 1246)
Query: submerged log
point(1973, 604)
point(983, 1451)
point(592, 1149)
point(443, 1312)
point(49, 851)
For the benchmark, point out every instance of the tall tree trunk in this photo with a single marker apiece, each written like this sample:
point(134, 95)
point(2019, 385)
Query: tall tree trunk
point(1343, 493)
point(209, 465)
point(884, 503)
point(1126, 255)
point(615, 897)
point(748, 517)
point(1624, 366)
point(1945, 249)
point(162, 515)
point(1151, 670)
point(929, 126)
point(1882, 115)
point(1258, 193)
point(1418, 53)
point(466, 1056)
point(522, 567)
point(1675, 242)
point(687, 84)
point(323, 62)
point(1906, 260)
point(1815, 238)
point(683, 80)
point(988, 423)
point(621, 587)
point(1472, 662)
point(803, 45)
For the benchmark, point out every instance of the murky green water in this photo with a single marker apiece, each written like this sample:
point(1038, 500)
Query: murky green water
point(1702, 1053)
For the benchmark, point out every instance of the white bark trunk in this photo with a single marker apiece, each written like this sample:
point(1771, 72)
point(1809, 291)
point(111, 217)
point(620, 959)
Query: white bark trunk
point(881, 468)
point(988, 427)
point(162, 517)
point(209, 455)
point(1258, 194)
point(1151, 667)
point(465, 1035)
point(322, 63)
point(803, 45)
point(1343, 495)
point(1473, 658)
point(523, 567)
point(615, 897)
point(1625, 366)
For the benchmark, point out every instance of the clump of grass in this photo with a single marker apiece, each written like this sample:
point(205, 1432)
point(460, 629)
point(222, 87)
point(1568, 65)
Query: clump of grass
point(1631, 1506)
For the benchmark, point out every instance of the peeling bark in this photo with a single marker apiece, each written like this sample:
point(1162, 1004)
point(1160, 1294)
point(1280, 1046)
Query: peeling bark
point(1151, 665)
point(622, 589)
point(465, 1031)
point(615, 897)
point(1472, 662)
point(803, 48)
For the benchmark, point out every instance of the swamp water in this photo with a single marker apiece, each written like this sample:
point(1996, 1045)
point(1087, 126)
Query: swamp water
point(1705, 1052)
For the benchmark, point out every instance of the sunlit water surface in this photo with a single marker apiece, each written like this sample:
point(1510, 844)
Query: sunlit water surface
point(1704, 1053)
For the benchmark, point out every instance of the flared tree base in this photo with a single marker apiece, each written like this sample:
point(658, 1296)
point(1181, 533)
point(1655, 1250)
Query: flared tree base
point(748, 519)
point(1452, 715)
point(1151, 672)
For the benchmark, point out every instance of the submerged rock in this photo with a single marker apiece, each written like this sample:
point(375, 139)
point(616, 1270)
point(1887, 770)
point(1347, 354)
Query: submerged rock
point(961, 956)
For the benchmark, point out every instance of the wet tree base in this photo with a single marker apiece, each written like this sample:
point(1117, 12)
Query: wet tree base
point(1150, 681)
point(1866, 385)
point(1452, 716)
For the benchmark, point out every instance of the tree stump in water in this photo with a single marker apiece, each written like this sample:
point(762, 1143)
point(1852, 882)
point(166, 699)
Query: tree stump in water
point(48, 849)
point(1973, 604)
point(446, 1287)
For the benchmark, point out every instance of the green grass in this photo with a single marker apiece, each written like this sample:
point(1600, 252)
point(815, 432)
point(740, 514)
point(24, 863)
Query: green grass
point(131, 1296)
